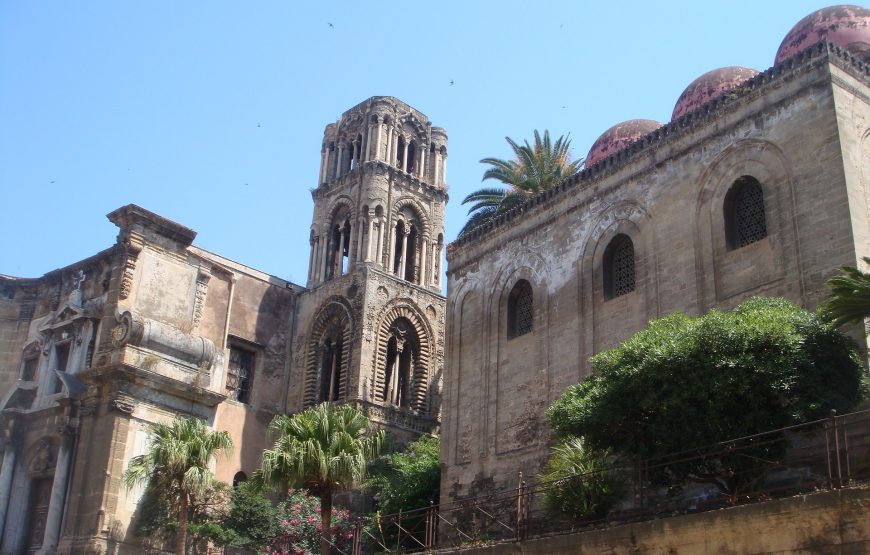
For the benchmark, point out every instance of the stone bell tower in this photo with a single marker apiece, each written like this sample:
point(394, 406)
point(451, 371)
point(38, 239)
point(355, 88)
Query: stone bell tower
point(370, 327)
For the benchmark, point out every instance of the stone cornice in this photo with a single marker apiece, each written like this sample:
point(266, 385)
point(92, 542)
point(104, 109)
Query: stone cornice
point(803, 62)
point(379, 166)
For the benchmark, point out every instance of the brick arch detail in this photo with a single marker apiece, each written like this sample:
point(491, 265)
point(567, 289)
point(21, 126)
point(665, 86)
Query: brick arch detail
point(334, 314)
point(420, 379)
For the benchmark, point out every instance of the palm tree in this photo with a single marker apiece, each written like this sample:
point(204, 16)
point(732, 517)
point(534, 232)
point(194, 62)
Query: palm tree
point(177, 463)
point(323, 449)
point(534, 169)
point(849, 301)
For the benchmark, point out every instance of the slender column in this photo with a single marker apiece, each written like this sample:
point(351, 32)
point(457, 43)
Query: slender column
point(391, 244)
point(421, 170)
point(339, 255)
point(422, 280)
point(7, 471)
point(444, 170)
point(322, 166)
point(58, 495)
point(369, 142)
point(324, 254)
point(310, 259)
point(405, 158)
point(394, 146)
point(368, 245)
point(360, 226)
point(437, 178)
point(389, 148)
point(379, 250)
point(355, 154)
point(339, 161)
point(434, 264)
point(378, 140)
point(404, 254)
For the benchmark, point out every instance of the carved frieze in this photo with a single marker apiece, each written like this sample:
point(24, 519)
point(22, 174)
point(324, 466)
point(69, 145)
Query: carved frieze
point(132, 247)
point(202, 280)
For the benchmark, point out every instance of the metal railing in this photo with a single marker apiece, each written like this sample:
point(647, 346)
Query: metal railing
point(826, 454)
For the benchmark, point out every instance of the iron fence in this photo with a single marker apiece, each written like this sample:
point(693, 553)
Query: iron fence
point(826, 454)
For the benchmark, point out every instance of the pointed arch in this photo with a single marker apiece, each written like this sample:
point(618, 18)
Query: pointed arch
point(328, 357)
point(403, 323)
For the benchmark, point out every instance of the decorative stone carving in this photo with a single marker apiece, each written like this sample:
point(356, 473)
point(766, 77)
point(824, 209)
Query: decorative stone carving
point(132, 247)
point(202, 280)
point(43, 459)
point(134, 330)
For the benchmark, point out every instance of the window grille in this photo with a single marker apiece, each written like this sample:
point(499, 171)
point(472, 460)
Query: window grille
point(748, 218)
point(619, 275)
point(520, 309)
point(239, 374)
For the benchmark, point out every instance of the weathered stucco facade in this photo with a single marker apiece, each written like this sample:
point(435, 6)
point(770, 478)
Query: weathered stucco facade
point(645, 232)
point(153, 327)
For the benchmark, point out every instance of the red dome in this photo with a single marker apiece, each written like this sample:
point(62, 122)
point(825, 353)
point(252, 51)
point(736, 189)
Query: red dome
point(846, 26)
point(710, 85)
point(618, 137)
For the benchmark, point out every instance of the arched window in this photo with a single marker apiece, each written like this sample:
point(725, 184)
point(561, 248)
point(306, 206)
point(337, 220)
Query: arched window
point(403, 349)
point(339, 249)
point(745, 220)
point(331, 368)
point(412, 157)
point(239, 478)
point(400, 153)
point(520, 309)
point(619, 276)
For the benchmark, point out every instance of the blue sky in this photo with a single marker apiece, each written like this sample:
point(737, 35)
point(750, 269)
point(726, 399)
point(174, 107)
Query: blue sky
point(212, 113)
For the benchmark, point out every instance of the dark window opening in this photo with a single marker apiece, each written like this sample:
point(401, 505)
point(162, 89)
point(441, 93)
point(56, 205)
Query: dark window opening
point(240, 374)
point(412, 156)
point(520, 309)
point(400, 152)
point(61, 358)
point(402, 352)
point(330, 370)
point(619, 276)
point(28, 369)
point(411, 254)
point(745, 219)
point(239, 478)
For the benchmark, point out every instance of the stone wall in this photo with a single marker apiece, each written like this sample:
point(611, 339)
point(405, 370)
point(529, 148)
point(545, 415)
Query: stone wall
point(800, 129)
point(829, 522)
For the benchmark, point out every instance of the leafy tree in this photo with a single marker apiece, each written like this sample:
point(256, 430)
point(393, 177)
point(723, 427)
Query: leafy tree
point(409, 479)
point(323, 449)
point(176, 465)
point(251, 521)
point(683, 383)
point(405, 481)
point(581, 482)
point(849, 302)
point(534, 169)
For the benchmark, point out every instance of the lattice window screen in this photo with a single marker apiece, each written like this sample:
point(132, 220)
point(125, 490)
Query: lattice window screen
point(623, 268)
point(749, 220)
point(520, 310)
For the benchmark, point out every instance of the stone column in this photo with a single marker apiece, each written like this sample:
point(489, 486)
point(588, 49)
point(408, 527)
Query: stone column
point(404, 252)
point(422, 280)
point(389, 147)
point(434, 264)
point(377, 155)
point(311, 259)
point(54, 517)
point(321, 179)
point(354, 155)
point(324, 254)
point(7, 472)
point(393, 146)
point(379, 250)
point(339, 161)
point(444, 170)
point(339, 254)
point(422, 163)
point(369, 142)
point(368, 243)
point(405, 158)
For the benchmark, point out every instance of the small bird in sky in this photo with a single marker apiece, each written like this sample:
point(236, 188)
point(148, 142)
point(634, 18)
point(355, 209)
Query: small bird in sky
point(258, 125)
point(52, 181)
point(451, 82)
point(330, 25)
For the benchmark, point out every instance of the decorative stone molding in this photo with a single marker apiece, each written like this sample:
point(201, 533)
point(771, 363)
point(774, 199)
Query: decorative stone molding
point(202, 280)
point(142, 332)
point(132, 247)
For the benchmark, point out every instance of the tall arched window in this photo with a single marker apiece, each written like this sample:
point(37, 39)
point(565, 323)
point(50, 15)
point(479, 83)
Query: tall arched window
point(520, 309)
point(403, 348)
point(619, 277)
point(745, 220)
point(331, 363)
point(339, 248)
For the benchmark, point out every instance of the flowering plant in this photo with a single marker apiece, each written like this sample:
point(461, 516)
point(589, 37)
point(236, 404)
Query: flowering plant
point(299, 526)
